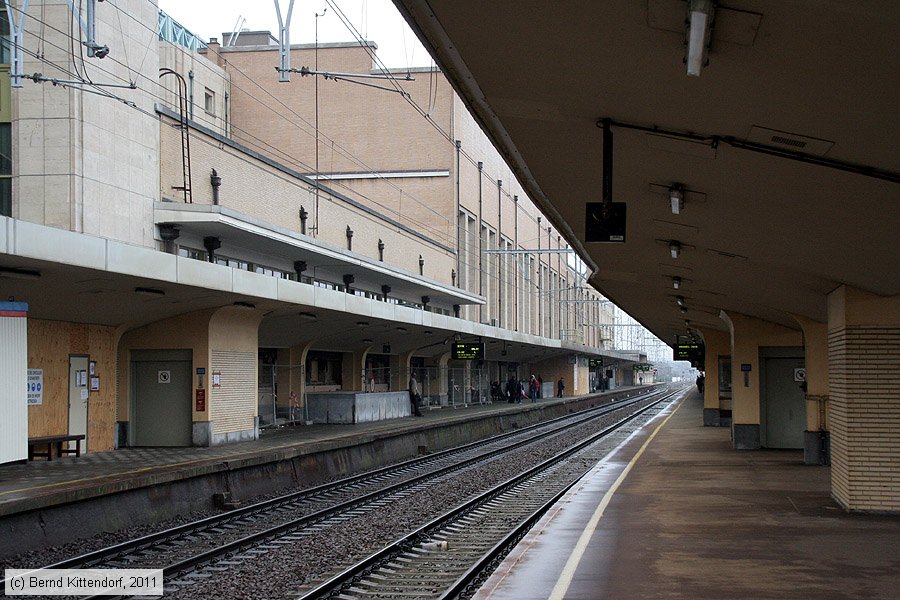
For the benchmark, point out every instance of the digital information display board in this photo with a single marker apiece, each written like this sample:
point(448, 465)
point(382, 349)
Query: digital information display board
point(468, 351)
point(694, 353)
point(595, 362)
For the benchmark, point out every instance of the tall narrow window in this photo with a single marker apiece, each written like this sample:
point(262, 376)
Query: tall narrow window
point(209, 101)
point(6, 168)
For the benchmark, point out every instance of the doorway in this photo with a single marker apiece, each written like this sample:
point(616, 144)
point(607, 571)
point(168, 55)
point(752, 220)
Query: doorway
point(783, 402)
point(161, 383)
point(78, 397)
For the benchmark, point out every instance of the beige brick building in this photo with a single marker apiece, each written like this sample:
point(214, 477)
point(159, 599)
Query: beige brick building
point(192, 249)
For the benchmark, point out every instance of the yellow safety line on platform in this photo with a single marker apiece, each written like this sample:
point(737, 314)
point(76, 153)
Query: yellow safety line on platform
point(568, 572)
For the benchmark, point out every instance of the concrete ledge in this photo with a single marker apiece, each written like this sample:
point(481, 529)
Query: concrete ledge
point(85, 507)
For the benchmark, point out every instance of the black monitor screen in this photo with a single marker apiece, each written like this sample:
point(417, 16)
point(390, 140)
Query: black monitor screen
point(468, 351)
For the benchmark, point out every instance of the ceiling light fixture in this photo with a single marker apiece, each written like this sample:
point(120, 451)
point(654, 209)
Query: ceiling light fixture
point(676, 198)
point(676, 283)
point(675, 249)
point(148, 291)
point(14, 273)
point(684, 309)
point(308, 316)
point(679, 300)
point(700, 19)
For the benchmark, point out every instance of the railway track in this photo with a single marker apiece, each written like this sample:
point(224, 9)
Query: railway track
point(447, 556)
point(205, 547)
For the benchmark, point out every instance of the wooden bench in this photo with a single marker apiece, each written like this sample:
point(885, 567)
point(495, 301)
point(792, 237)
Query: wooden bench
point(57, 442)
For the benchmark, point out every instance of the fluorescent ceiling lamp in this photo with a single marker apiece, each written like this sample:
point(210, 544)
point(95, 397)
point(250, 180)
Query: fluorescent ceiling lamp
point(676, 197)
point(676, 282)
point(15, 273)
point(674, 249)
point(699, 20)
point(679, 300)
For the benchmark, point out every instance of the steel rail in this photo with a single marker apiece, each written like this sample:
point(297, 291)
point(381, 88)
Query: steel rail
point(179, 568)
point(338, 582)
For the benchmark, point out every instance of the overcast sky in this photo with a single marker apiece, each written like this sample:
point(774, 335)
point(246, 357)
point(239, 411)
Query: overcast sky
point(377, 20)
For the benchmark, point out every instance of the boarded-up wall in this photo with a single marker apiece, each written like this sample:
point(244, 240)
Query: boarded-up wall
point(49, 345)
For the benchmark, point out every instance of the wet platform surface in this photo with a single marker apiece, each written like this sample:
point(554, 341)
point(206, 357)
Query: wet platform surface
point(694, 519)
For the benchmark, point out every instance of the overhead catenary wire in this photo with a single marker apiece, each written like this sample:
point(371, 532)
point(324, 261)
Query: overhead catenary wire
point(284, 156)
point(262, 142)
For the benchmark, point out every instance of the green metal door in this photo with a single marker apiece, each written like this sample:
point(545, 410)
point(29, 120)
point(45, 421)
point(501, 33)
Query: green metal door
point(784, 403)
point(161, 398)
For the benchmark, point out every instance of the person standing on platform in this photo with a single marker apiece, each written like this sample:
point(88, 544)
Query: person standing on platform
point(701, 381)
point(560, 388)
point(540, 386)
point(414, 398)
point(533, 389)
point(295, 405)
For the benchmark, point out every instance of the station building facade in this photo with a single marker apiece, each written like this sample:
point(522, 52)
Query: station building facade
point(192, 250)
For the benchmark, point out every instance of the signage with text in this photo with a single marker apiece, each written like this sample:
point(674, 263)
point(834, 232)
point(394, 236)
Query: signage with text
point(694, 353)
point(468, 351)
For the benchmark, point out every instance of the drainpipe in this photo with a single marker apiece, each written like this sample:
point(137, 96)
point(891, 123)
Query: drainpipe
point(191, 95)
point(215, 181)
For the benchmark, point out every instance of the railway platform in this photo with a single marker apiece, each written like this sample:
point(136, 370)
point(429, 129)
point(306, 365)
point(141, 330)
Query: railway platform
point(680, 514)
point(52, 502)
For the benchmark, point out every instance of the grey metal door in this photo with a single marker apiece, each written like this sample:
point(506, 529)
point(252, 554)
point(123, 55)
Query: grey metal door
point(784, 402)
point(161, 398)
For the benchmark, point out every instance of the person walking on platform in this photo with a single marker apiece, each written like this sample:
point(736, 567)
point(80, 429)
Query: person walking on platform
point(560, 388)
point(701, 381)
point(512, 392)
point(414, 398)
point(533, 388)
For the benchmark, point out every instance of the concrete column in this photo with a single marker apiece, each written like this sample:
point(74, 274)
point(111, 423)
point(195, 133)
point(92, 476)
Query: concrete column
point(443, 379)
point(718, 344)
point(353, 370)
point(864, 401)
point(815, 348)
point(747, 335)
point(297, 379)
point(400, 371)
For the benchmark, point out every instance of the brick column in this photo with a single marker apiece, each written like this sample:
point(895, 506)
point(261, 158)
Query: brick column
point(864, 401)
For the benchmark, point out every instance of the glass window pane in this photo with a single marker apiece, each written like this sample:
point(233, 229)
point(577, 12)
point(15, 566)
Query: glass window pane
point(5, 196)
point(5, 149)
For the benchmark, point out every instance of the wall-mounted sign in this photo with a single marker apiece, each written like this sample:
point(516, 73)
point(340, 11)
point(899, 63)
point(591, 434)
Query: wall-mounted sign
point(800, 375)
point(201, 399)
point(164, 376)
point(35, 387)
point(468, 351)
point(95, 383)
point(216, 379)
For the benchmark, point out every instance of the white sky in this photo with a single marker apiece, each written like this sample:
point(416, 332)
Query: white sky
point(376, 20)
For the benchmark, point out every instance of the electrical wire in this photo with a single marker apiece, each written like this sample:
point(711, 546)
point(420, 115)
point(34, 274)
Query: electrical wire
point(265, 144)
point(289, 159)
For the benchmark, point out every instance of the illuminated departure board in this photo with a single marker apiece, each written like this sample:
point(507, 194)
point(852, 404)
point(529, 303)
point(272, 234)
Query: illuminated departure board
point(695, 353)
point(468, 351)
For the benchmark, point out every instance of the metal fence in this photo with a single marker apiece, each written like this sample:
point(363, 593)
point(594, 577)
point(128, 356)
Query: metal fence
point(438, 386)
